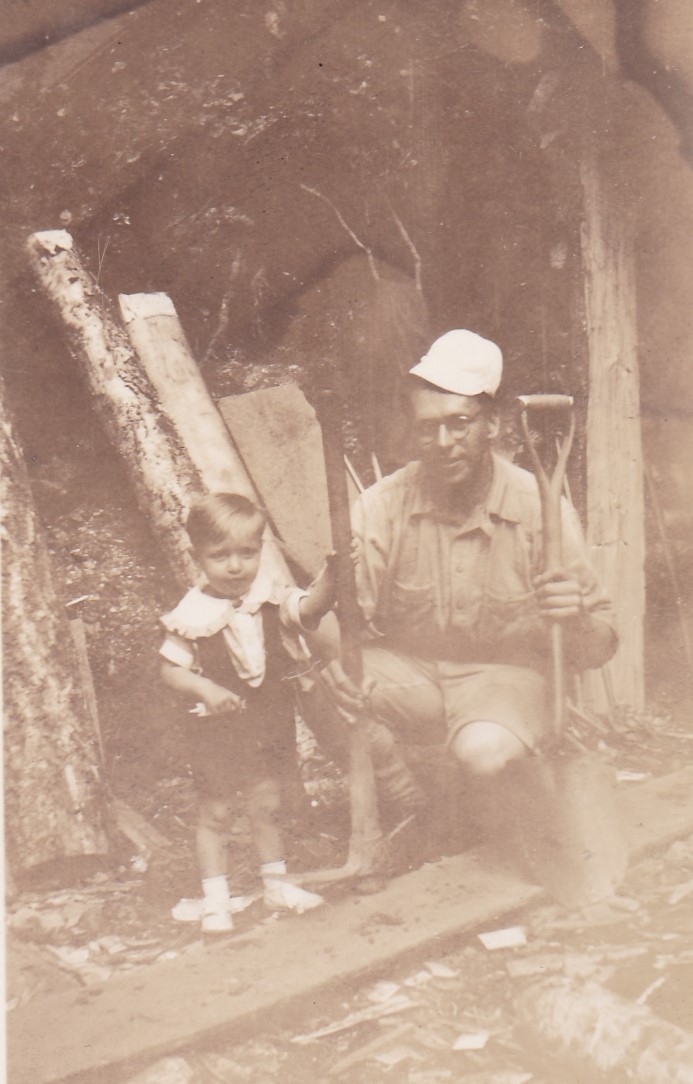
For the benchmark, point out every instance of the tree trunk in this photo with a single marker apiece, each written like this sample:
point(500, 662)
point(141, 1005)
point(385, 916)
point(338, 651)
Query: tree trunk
point(615, 503)
point(162, 473)
point(54, 802)
point(604, 1037)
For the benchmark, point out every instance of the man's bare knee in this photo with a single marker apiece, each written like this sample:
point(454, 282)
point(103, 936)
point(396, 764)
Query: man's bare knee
point(484, 748)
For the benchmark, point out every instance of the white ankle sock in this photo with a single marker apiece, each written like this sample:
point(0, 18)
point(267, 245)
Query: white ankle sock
point(273, 869)
point(215, 889)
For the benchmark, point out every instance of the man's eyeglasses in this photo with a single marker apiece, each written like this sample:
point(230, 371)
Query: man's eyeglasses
point(456, 425)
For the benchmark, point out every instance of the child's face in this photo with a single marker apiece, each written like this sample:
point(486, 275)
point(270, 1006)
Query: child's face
point(232, 565)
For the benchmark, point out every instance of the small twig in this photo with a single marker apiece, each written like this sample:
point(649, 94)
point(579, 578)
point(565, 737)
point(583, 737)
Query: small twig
point(362, 1016)
point(591, 720)
point(101, 256)
point(351, 471)
point(223, 320)
point(343, 223)
point(372, 1047)
point(400, 827)
point(649, 990)
point(411, 246)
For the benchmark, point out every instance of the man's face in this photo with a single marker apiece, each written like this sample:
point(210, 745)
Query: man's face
point(452, 434)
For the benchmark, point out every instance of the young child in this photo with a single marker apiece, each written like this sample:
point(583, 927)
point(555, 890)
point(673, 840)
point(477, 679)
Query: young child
point(225, 651)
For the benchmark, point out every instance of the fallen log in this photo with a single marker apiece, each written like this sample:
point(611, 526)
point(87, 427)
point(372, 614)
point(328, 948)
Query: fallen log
point(604, 1036)
point(55, 806)
point(163, 476)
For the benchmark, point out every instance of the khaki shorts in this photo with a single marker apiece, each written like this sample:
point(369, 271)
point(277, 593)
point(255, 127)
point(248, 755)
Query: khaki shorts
point(428, 701)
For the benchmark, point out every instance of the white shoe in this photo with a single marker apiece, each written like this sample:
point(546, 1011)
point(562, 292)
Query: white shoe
point(281, 895)
point(193, 910)
point(216, 919)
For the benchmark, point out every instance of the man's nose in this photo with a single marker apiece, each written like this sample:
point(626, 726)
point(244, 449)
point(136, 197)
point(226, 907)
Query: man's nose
point(233, 562)
point(443, 438)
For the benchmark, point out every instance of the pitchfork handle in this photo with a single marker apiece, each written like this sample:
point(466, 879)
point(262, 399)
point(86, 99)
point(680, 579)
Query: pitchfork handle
point(550, 489)
point(330, 414)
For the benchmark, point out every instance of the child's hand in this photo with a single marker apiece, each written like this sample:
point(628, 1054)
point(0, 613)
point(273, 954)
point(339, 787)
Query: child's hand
point(220, 701)
point(321, 595)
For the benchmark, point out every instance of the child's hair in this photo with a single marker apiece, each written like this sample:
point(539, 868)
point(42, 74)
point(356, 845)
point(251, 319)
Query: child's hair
point(213, 518)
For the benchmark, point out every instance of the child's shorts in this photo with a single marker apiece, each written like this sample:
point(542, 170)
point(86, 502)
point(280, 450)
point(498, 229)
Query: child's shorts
point(229, 752)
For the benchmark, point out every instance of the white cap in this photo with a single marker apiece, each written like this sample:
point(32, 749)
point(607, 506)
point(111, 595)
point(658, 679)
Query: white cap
point(463, 363)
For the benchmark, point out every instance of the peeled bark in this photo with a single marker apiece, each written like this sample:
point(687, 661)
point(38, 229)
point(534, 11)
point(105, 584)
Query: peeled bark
point(604, 1036)
point(162, 473)
point(54, 800)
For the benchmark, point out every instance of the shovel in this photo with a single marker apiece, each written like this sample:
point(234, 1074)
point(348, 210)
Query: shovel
point(369, 852)
point(561, 809)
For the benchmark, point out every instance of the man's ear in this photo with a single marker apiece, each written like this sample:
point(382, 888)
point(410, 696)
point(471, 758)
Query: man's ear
point(493, 425)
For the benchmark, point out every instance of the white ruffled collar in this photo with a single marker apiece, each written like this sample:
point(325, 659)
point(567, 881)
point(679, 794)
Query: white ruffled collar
point(201, 614)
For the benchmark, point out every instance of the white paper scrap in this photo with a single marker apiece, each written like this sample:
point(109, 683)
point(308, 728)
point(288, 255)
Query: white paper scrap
point(512, 937)
point(471, 1040)
point(418, 979)
point(441, 971)
point(383, 991)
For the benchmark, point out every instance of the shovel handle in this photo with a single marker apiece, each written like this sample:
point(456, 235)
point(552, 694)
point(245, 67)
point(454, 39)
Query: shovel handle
point(550, 489)
point(330, 416)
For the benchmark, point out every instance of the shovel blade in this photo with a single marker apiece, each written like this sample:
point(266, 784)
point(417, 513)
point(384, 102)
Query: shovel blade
point(563, 826)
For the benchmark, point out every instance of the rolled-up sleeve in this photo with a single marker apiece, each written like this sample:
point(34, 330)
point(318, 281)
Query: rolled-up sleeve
point(179, 651)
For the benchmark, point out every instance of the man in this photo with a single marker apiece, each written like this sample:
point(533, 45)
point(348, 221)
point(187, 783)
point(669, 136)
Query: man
point(450, 580)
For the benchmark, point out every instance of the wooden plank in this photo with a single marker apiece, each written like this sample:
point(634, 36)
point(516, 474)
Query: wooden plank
point(155, 332)
point(79, 639)
point(233, 984)
point(278, 437)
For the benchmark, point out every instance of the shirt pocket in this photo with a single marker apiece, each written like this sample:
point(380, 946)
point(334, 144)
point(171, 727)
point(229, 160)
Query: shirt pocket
point(507, 615)
point(412, 606)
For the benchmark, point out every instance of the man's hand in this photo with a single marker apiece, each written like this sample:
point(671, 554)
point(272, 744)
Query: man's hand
point(558, 596)
point(349, 700)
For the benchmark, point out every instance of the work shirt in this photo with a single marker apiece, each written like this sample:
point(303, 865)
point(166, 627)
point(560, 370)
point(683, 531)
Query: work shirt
point(445, 586)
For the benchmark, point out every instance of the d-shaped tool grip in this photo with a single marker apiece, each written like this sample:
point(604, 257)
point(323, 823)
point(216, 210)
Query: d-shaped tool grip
point(546, 402)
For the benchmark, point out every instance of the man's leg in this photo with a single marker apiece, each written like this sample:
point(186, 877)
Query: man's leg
point(407, 697)
point(495, 714)
point(484, 748)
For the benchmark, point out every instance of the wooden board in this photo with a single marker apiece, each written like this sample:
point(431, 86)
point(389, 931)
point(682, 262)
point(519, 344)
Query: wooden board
point(278, 437)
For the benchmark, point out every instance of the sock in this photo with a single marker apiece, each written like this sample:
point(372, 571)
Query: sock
point(273, 869)
point(215, 889)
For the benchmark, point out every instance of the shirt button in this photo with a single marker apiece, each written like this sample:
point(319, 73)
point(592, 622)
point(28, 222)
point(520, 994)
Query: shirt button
point(459, 568)
point(459, 604)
